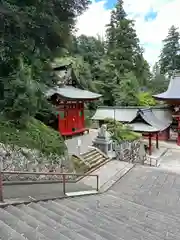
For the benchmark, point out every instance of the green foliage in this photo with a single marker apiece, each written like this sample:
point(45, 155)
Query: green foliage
point(145, 99)
point(159, 83)
point(170, 58)
point(35, 135)
point(125, 93)
point(33, 33)
point(122, 41)
point(89, 48)
point(120, 132)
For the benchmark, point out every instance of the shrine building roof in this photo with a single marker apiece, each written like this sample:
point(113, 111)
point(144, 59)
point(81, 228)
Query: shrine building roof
point(173, 91)
point(69, 92)
point(142, 127)
point(147, 121)
point(140, 119)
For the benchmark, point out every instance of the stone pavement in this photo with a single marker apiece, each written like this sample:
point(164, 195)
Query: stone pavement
point(154, 159)
point(108, 174)
point(41, 191)
point(154, 188)
point(72, 144)
point(171, 160)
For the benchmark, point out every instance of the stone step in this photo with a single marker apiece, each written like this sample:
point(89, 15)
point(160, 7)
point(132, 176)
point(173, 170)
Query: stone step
point(94, 156)
point(47, 228)
point(31, 221)
point(7, 233)
point(37, 223)
point(89, 153)
point(85, 228)
point(117, 226)
point(139, 221)
point(56, 224)
point(96, 159)
point(97, 163)
point(19, 226)
point(161, 216)
point(143, 211)
point(126, 211)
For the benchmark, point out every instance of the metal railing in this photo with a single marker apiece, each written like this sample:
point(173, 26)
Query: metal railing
point(64, 178)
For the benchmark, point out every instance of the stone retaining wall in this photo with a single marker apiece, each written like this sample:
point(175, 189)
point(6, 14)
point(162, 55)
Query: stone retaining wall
point(13, 158)
point(129, 151)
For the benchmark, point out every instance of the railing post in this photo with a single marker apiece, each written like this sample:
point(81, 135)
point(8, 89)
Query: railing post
point(64, 184)
point(1, 187)
point(97, 183)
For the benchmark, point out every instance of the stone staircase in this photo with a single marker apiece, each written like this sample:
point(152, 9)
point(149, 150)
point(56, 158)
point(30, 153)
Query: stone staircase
point(96, 217)
point(107, 216)
point(91, 159)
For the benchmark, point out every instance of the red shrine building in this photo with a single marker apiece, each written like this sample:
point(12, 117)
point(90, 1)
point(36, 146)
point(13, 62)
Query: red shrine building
point(172, 98)
point(70, 99)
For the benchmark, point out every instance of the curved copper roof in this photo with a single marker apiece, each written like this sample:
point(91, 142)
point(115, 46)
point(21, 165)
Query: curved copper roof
point(153, 119)
point(69, 92)
point(173, 91)
point(150, 123)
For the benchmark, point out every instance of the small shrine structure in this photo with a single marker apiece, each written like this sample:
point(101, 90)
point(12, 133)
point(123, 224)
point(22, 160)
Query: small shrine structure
point(69, 97)
point(153, 123)
point(149, 125)
point(172, 98)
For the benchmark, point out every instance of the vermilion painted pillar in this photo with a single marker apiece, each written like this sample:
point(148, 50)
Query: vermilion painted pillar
point(178, 137)
point(157, 141)
point(83, 118)
point(150, 144)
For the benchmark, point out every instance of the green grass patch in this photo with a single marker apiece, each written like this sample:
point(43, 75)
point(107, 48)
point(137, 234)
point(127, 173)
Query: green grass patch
point(35, 135)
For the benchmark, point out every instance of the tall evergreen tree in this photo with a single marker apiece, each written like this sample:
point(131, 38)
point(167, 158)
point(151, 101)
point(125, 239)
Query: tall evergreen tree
point(159, 82)
point(169, 58)
point(122, 40)
point(111, 33)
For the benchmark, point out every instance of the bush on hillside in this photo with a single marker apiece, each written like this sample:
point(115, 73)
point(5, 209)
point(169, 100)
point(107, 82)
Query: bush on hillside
point(35, 135)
